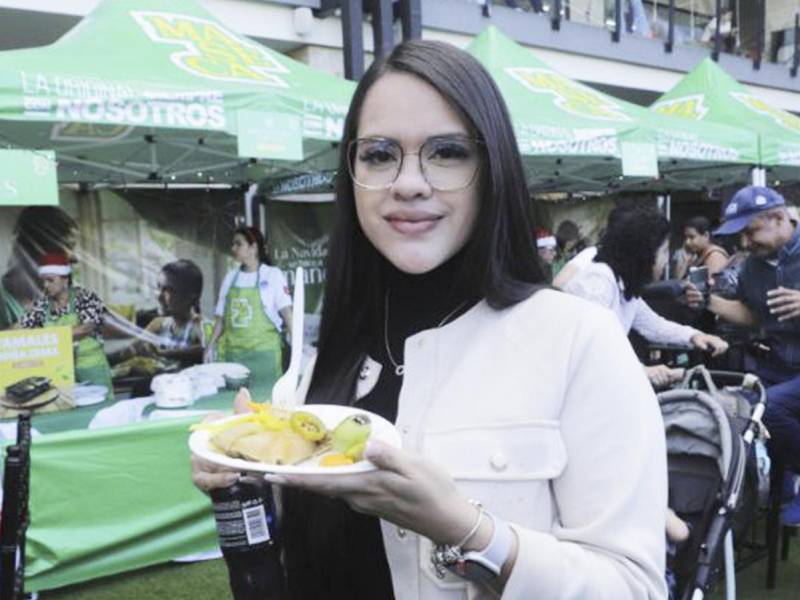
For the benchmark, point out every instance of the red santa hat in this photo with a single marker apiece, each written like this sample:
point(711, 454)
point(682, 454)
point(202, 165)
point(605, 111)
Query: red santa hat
point(545, 239)
point(54, 263)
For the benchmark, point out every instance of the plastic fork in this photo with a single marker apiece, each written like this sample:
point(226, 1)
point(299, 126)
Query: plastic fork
point(285, 389)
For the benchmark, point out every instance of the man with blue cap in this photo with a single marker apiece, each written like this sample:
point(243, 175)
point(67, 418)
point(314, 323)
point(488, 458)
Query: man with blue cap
point(769, 298)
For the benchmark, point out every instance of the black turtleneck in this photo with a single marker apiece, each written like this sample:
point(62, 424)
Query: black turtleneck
point(412, 303)
point(342, 554)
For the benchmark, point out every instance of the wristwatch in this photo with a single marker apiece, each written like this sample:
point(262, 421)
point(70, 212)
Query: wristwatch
point(476, 565)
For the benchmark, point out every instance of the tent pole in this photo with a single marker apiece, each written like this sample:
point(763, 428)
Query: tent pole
point(248, 204)
point(262, 217)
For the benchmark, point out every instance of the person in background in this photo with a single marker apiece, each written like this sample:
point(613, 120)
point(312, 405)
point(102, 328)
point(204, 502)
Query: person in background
point(701, 249)
point(437, 317)
point(768, 297)
point(632, 253)
point(179, 332)
point(546, 247)
point(253, 309)
point(569, 243)
point(37, 231)
point(65, 304)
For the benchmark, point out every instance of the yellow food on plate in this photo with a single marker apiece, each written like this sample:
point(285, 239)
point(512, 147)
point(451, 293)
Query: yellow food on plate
point(273, 447)
point(335, 460)
point(224, 439)
point(282, 437)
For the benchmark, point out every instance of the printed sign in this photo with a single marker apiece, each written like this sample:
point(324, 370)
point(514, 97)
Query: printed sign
point(269, 135)
point(28, 178)
point(45, 352)
point(687, 107)
point(639, 159)
point(88, 100)
point(569, 96)
point(210, 50)
point(682, 144)
point(781, 117)
point(547, 140)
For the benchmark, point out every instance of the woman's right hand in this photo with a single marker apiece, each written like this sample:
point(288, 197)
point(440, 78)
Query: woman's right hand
point(208, 476)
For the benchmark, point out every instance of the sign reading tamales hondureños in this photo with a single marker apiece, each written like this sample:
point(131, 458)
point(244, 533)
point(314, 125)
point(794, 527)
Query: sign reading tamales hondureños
point(45, 352)
point(28, 178)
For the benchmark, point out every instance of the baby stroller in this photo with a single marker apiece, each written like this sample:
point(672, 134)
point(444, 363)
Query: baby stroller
point(713, 483)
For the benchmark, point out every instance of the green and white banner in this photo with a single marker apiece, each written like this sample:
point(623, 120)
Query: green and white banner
point(707, 94)
point(189, 86)
point(28, 178)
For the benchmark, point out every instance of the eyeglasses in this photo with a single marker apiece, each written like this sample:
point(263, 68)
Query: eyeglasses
point(448, 162)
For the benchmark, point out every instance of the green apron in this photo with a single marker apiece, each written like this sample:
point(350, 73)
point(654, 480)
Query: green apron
point(251, 338)
point(91, 364)
point(11, 311)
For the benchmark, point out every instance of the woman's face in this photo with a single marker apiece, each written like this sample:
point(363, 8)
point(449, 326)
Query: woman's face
point(694, 241)
point(242, 250)
point(54, 285)
point(416, 227)
point(662, 257)
point(171, 299)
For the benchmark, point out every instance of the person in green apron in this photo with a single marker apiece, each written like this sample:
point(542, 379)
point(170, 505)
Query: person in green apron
point(180, 332)
point(253, 310)
point(73, 306)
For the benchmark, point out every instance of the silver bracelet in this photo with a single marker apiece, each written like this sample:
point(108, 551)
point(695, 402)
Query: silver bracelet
point(477, 524)
point(445, 555)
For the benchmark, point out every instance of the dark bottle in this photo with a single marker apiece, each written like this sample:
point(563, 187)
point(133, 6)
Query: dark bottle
point(247, 536)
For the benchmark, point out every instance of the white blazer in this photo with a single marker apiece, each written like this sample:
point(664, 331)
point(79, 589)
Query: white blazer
point(542, 413)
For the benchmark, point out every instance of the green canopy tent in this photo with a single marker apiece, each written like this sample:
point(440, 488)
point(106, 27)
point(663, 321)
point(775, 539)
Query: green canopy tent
point(573, 137)
point(158, 90)
point(707, 94)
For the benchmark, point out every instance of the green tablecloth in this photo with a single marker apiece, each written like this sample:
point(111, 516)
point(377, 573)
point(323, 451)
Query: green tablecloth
point(111, 500)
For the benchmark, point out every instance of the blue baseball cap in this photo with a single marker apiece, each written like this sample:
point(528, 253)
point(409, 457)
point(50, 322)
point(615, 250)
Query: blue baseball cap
point(747, 203)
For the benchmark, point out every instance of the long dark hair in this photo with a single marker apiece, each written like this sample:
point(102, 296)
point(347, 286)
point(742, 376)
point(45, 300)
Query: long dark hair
point(254, 236)
point(630, 243)
point(498, 263)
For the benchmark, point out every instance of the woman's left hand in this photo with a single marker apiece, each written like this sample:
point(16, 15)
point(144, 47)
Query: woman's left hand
point(410, 492)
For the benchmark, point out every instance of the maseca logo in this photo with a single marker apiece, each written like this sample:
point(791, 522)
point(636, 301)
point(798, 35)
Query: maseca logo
point(782, 118)
point(687, 107)
point(211, 51)
point(569, 96)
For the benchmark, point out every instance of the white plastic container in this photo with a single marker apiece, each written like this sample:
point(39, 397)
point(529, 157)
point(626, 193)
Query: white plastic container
point(172, 390)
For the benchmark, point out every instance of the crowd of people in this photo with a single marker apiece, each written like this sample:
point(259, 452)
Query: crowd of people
point(251, 322)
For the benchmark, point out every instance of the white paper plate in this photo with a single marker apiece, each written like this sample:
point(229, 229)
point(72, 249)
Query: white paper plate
point(86, 395)
point(331, 415)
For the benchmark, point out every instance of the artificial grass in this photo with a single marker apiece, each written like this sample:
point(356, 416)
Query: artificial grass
point(206, 580)
point(209, 581)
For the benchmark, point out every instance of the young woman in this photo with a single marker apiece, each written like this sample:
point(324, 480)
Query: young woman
point(179, 332)
point(703, 252)
point(632, 253)
point(253, 309)
point(435, 318)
